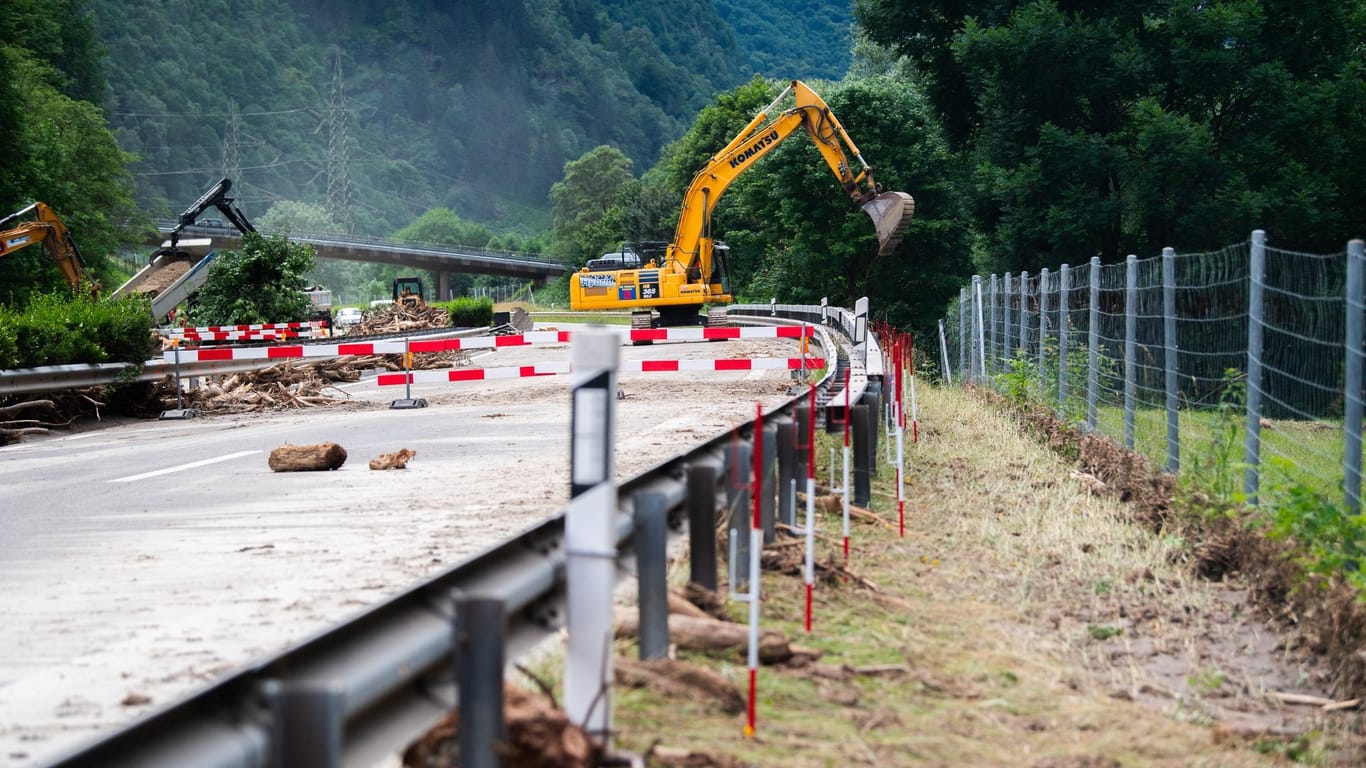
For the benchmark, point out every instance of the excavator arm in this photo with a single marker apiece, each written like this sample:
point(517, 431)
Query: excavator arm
point(891, 211)
point(47, 229)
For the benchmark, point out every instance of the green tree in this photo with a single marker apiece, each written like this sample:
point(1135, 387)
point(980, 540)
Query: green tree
point(261, 283)
point(586, 203)
point(1113, 128)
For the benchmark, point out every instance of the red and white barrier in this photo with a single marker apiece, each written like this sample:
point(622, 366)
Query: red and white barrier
point(396, 347)
point(448, 375)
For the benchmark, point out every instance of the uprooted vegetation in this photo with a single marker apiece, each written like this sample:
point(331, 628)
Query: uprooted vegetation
point(1037, 613)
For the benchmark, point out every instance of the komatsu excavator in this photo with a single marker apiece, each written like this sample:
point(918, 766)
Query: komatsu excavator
point(693, 272)
point(45, 228)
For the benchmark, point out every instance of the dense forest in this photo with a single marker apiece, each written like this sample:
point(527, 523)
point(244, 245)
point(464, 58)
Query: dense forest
point(383, 110)
point(1031, 132)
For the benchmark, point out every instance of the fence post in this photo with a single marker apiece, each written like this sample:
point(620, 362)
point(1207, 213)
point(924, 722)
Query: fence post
point(309, 718)
point(1043, 321)
point(1351, 457)
point(944, 350)
point(1023, 347)
point(1093, 346)
point(981, 332)
point(993, 355)
point(976, 334)
point(1064, 282)
point(1169, 342)
point(1252, 448)
point(963, 372)
point(1130, 344)
point(1008, 352)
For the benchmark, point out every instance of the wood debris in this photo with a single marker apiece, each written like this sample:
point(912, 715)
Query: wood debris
point(289, 384)
point(307, 458)
point(397, 460)
point(538, 734)
point(398, 319)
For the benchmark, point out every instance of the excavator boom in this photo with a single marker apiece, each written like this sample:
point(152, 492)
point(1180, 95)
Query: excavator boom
point(45, 228)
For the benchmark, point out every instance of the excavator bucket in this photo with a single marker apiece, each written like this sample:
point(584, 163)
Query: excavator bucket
point(891, 212)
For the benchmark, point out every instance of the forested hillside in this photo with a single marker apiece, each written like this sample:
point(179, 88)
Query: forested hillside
point(385, 110)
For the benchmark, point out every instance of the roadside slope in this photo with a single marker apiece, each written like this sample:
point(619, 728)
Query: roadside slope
point(1022, 621)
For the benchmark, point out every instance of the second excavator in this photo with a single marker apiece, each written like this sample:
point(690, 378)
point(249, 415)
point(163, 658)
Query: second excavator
point(693, 271)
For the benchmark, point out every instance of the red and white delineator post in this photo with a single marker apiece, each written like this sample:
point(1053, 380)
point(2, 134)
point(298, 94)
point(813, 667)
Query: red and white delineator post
point(844, 491)
point(590, 533)
point(900, 444)
point(752, 596)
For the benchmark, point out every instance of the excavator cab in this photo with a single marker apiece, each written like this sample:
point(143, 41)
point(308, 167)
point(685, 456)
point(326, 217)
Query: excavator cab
point(408, 291)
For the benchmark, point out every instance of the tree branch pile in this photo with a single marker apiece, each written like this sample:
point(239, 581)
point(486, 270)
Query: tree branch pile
point(398, 318)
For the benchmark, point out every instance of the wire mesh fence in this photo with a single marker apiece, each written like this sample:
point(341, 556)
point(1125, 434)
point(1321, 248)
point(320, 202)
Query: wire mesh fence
point(1241, 365)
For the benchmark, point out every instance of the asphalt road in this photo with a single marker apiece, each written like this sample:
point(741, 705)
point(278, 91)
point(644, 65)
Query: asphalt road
point(142, 560)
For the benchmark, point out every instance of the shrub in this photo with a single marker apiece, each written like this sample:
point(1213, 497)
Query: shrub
point(469, 313)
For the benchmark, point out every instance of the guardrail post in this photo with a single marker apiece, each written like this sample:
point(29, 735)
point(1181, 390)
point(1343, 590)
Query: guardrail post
point(652, 589)
point(308, 723)
point(801, 416)
point(860, 337)
point(872, 395)
point(863, 486)
point(787, 471)
point(768, 481)
point(1130, 345)
point(590, 536)
point(1351, 457)
point(480, 633)
point(737, 512)
point(702, 525)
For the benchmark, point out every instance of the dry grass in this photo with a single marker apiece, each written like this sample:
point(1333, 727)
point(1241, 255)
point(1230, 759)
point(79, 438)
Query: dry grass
point(1038, 624)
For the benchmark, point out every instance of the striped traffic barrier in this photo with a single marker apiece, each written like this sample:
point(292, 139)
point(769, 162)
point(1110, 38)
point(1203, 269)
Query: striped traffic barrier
point(448, 375)
point(485, 342)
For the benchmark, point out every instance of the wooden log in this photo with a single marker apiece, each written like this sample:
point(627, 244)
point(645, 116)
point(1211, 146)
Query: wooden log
point(673, 677)
point(694, 634)
point(307, 458)
point(682, 605)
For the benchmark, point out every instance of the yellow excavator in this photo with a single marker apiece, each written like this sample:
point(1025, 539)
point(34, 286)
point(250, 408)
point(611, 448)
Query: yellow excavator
point(693, 272)
point(43, 228)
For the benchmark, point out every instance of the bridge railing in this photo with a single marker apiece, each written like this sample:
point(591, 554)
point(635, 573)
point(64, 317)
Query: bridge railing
point(334, 238)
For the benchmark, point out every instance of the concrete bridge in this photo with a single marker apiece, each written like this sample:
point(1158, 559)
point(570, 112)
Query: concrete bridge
point(440, 259)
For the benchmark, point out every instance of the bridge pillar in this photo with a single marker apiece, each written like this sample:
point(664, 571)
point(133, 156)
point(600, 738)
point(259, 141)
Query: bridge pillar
point(443, 285)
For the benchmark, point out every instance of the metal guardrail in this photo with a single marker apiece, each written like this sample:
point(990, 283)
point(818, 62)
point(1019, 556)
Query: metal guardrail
point(364, 689)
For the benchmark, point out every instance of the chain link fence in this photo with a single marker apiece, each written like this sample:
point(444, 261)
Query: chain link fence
point(1242, 365)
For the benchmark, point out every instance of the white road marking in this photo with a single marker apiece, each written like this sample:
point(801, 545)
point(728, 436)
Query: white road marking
point(182, 467)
